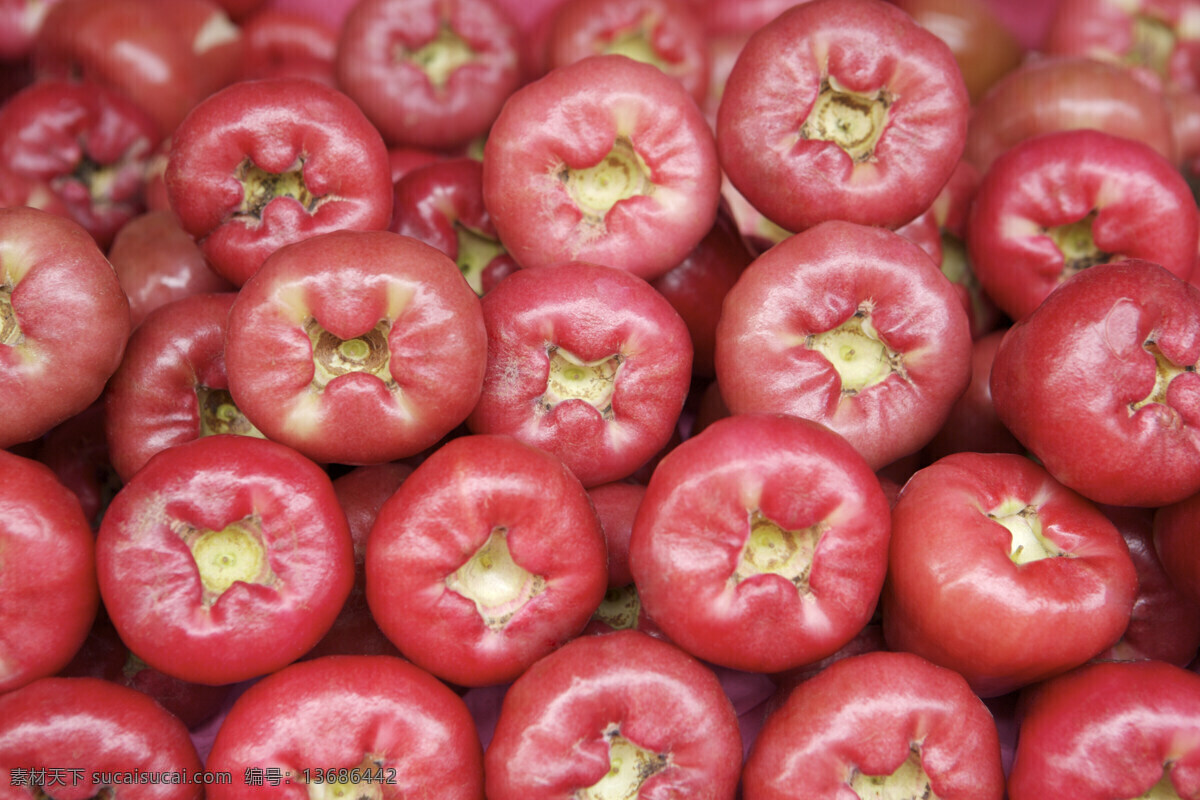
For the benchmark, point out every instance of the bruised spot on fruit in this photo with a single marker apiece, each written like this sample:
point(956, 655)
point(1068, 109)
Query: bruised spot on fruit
point(334, 357)
point(629, 766)
point(771, 549)
point(854, 121)
point(908, 782)
point(1077, 245)
point(260, 187)
point(620, 175)
point(620, 608)
point(1163, 790)
point(1029, 544)
point(1165, 371)
point(497, 585)
point(571, 378)
point(236, 553)
point(475, 252)
point(219, 414)
point(855, 350)
point(1153, 43)
point(438, 58)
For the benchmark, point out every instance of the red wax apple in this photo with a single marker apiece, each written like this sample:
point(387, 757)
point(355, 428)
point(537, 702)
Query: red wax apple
point(1099, 383)
point(992, 566)
point(356, 347)
point(285, 43)
point(586, 362)
point(851, 326)
point(1178, 546)
point(1111, 730)
point(266, 163)
point(761, 543)
point(605, 160)
point(224, 559)
point(1062, 202)
point(842, 109)
point(429, 73)
point(64, 321)
point(616, 506)
point(487, 557)
point(930, 736)
point(77, 738)
point(363, 727)
point(622, 715)
point(171, 387)
point(48, 595)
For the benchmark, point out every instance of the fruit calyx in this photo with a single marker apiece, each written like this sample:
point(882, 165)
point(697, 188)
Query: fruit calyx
point(908, 782)
point(236, 553)
point(219, 414)
point(854, 121)
point(572, 378)
point(1029, 544)
point(771, 549)
point(475, 251)
point(1165, 371)
point(862, 359)
point(619, 175)
point(1077, 244)
point(260, 187)
point(497, 585)
point(334, 356)
point(630, 766)
point(440, 57)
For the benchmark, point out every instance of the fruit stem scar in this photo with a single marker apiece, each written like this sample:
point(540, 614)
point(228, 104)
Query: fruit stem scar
point(771, 549)
point(908, 782)
point(236, 553)
point(332, 356)
point(619, 175)
point(440, 57)
point(854, 121)
point(1077, 244)
point(1028, 542)
point(630, 766)
point(219, 414)
point(860, 357)
point(10, 329)
point(571, 378)
point(497, 585)
point(260, 187)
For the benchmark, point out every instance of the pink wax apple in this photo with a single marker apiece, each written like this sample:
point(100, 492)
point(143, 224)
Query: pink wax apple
point(586, 362)
point(842, 109)
point(853, 327)
point(488, 557)
point(993, 564)
point(356, 347)
point(606, 160)
point(761, 543)
point(620, 715)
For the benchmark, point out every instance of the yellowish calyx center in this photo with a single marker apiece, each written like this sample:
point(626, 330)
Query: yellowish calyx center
point(334, 357)
point(852, 120)
point(771, 549)
point(630, 766)
point(497, 585)
point(618, 176)
point(1163, 790)
point(1029, 544)
point(908, 782)
point(236, 553)
point(475, 252)
point(1165, 371)
point(10, 330)
point(1077, 245)
point(620, 608)
point(362, 782)
point(1152, 45)
point(219, 414)
point(571, 378)
point(440, 57)
point(260, 187)
point(855, 350)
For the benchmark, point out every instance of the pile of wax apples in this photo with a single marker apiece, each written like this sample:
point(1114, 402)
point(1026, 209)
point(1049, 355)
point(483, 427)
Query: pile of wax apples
point(364, 438)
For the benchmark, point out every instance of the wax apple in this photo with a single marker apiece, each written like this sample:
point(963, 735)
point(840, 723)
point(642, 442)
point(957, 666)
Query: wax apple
point(283, 43)
point(64, 322)
point(488, 557)
point(172, 387)
point(605, 160)
point(842, 110)
point(224, 559)
point(1111, 730)
point(586, 362)
point(1177, 547)
point(429, 74)
point(1119, 343)
point(761, 543)
point(48, 595)
point(930, 736)
point(77, 452)
point(356, 347)
point(622, 715)
point(853, 327)
point(368, 727)
point(85, 737)
point(993, 562)
point(266, 163)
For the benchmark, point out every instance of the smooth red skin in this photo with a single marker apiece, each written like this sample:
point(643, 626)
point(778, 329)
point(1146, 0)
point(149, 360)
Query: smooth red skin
point(955, 597)
point(1071, 93)
point(1178, 546)
point(439, 518)
point(582, 28)
point(93, 725)
point(1144, 210)
point(288, 43)
point(52, 129)
point(1105, 31)
point(594, 312)
point(433, 200)
point(1107, 730)
point(48, 573)
point(815, 281)
point(1085, 344)
point(1165, 624)
point(866, 45)
point(77, 452)
point(399, 97)
point(697, 286)
point(151, 402)
point(404, 160)
point(554, 716)
point(693, 524)
point(810, 746)
point(617, 505)
point(349, 281)
point(341, 711)
point(215, 41)
point(867, 640)
point(274, 123)
point(738, 16)
point(250, 629)
point(570, 119)
point(157, 262)
point(74, 317)
point(20, 21)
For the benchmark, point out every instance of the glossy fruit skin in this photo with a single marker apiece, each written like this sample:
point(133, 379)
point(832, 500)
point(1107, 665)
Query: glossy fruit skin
point(1110, 730)
point(872, 49)
point(1076, 384)
point(813, 743)
point(88, 727)
point(698, 515)
point(167, 616)
point(280, 126)
point(955, 596)
point(48, 573)
point(398, 726)
point(655, 695)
